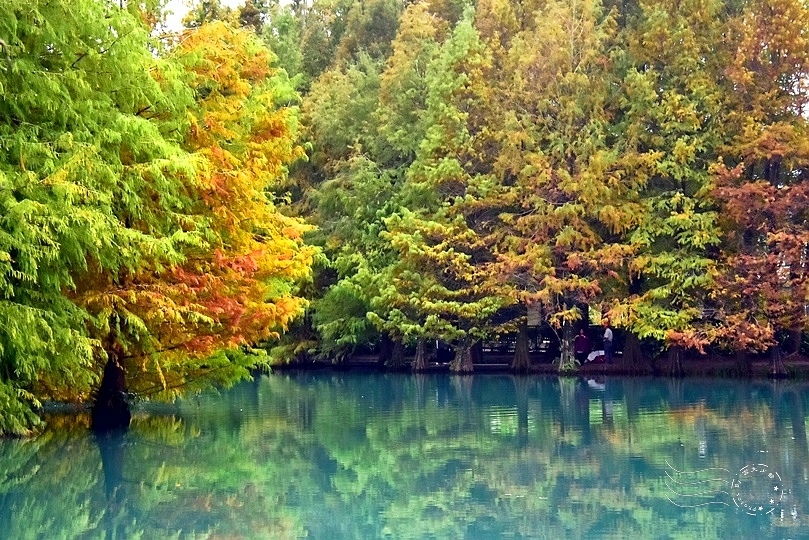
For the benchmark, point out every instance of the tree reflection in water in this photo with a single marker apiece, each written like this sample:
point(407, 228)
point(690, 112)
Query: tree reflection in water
point(374, 456)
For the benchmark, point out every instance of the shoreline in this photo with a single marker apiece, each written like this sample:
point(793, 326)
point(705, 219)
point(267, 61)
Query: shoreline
point(796, 367)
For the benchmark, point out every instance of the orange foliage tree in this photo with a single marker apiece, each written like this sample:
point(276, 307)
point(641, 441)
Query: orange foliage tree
point(170, 326)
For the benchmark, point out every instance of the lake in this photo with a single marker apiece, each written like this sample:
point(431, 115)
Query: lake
point(341, 455)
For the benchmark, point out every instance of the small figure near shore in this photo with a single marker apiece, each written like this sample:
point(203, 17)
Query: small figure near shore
point(607, 341)
point(581, 346)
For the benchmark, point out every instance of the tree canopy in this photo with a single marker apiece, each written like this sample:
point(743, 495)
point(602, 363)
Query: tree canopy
point(640, 158)
point(400, 173)
point(138, 220)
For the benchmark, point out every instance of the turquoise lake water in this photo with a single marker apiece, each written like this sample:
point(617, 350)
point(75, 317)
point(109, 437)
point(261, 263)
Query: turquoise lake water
point(351, 456)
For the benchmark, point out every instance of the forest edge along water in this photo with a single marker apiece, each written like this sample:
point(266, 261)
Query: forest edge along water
point(544, 358)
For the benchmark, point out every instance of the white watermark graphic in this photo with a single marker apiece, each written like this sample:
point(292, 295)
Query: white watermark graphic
point(756, 489)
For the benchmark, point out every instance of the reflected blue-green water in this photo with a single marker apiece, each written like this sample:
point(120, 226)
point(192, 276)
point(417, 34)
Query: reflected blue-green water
point(332, 456)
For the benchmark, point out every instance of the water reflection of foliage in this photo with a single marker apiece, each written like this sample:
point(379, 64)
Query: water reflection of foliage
point(415, 457)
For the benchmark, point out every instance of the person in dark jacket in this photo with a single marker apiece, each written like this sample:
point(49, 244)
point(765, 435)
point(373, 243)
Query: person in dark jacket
point(581, 346)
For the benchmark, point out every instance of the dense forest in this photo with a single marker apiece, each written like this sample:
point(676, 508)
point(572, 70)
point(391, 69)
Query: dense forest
point(293, 182)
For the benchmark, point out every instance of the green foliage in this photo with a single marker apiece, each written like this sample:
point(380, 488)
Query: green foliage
point(78, 160)
point(117, 222)
point(571, 152)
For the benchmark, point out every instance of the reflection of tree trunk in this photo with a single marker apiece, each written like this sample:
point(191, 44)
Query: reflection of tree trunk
point(462, 363)
point(675, 387)
point(463, 391)
point(798, 418)
point(777, 407)
point(567, 400)
point(607, 412)
point(306, 413)
point(632, 397)
point(521, 385)
point(777, 368)
point(110, 409)
point(420, 381)
point(420, 360)
point(111, 447)
point(521, 361)
point(675, 361)
point(797, 415)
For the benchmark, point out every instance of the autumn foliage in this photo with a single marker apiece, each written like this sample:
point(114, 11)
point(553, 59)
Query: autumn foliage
point(141, 227)
point(645, 159)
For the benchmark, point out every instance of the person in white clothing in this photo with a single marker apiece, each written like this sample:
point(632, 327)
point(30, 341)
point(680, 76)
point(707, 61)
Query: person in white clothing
point(607, 341)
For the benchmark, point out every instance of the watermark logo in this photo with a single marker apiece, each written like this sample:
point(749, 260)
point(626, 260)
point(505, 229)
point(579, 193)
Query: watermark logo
point(755, 489)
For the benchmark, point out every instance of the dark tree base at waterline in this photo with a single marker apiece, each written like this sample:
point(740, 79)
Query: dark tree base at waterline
point(111, 411)
point(757, 366)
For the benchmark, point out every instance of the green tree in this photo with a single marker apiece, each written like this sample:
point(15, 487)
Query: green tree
point(111, 207)
point(437, 282)
point(83, 149)
point(180, 326)
point(547, 210)
point(670, 124)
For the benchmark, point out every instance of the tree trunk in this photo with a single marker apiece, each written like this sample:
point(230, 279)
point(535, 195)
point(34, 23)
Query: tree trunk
point(567, 361)
point(110, 410)
point(632, 358)
point(397, 357)
point(675, 361)
point(462, 363)
point(742, 363)
point(777, 368)
point(385, 350)
point(793, 342)
point(521, 362)
point(584, 322)
point(476, 352)
point(420, 361)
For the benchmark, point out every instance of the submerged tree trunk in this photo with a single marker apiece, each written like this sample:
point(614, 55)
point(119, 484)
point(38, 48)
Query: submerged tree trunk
point(462, 363)
point(110, 410)
point(420, 360)
point(521, 362)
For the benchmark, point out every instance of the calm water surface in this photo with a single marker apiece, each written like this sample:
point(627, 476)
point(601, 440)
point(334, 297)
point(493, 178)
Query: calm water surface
point(350, 456)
